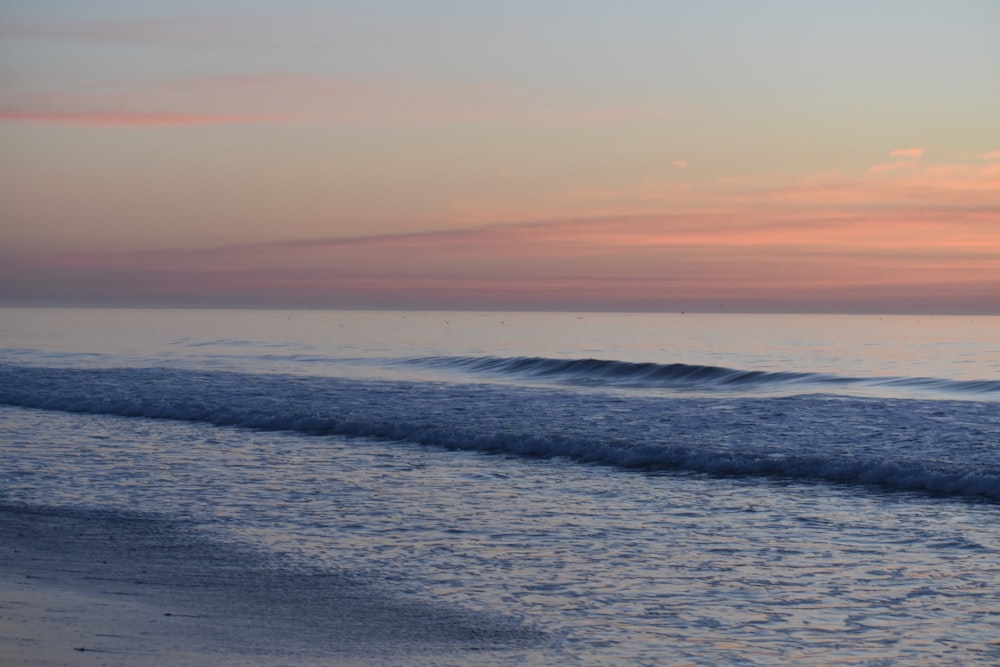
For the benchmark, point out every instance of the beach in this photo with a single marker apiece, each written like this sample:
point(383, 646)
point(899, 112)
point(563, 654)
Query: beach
point(92, 588)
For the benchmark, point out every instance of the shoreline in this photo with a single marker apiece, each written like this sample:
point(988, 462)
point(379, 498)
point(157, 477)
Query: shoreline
point(96, 588)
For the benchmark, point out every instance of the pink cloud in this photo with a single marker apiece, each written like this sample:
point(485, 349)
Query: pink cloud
point(745, 255)
point(357, 100)
point(680, 164)
point(626, 262)
point(828, 241)
point(905, 159)
point(138, 118)
point(253, 97)
point(890, 166)
point(912, 153)
point(279, 96)
point(910, 186)
point(598, 115)
point(992, 155)
point(571, 242)
point(906, 185)
point(270, 82)
point(186, 31)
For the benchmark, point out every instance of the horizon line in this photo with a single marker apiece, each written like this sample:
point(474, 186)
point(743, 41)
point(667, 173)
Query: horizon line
point(6, 304)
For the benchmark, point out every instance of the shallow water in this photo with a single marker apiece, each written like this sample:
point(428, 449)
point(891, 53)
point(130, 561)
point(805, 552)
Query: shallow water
point(623, 567)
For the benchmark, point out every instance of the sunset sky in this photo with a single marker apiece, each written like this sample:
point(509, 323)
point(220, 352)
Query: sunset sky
point(712, 155)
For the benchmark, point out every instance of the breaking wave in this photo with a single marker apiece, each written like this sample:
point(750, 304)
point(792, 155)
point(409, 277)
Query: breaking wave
point(648, 375)
point(940, 447)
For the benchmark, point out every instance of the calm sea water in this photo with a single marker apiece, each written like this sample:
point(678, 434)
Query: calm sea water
point(645, 489)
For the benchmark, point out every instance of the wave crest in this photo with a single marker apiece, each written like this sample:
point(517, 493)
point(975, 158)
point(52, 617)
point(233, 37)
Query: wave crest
point(679, 376)
point(931, 446)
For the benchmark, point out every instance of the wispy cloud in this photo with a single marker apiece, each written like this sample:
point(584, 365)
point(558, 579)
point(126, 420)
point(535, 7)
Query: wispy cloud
point(267, 82)
point(799, 260)
point(904, 184)
point(184, 31)
point(138, 118)
point(628, 245)
point(245, 98)
point(278, 96)
point(905, 159)
point(920, 185)
point(913, 153)
point(828, 241)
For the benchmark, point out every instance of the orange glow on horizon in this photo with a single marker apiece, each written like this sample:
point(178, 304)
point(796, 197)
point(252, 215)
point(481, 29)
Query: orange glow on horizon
point(833, 238)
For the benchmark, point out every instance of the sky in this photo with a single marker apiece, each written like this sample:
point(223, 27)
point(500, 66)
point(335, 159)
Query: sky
point(641, 155)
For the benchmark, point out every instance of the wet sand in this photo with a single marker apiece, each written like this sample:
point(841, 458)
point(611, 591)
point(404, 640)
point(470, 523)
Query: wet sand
point(88, 588)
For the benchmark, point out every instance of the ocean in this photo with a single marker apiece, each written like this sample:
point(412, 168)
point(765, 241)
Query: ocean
point(638, 489)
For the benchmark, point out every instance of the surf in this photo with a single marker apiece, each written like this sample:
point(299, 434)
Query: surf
point(937, 447)
point(691, 377)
